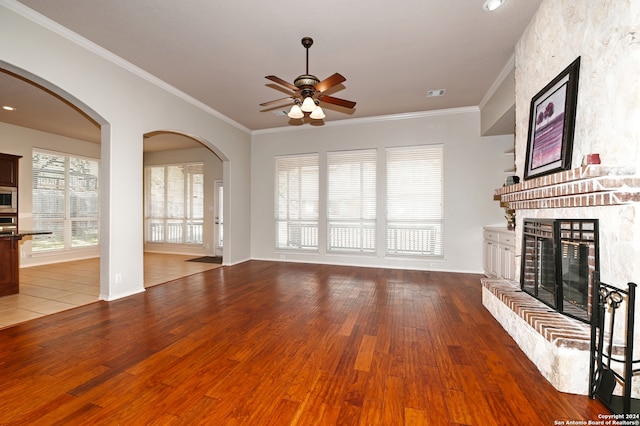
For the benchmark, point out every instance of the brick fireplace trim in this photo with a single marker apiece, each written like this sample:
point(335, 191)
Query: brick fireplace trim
point(560, 330)
point(586, 186)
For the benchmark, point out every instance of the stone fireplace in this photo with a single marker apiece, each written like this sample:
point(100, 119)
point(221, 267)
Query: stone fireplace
point(593, 208)
point(606, 37)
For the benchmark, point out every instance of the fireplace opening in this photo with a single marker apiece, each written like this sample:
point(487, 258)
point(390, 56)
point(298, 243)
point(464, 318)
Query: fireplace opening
point(575, 274)
point(559, 257)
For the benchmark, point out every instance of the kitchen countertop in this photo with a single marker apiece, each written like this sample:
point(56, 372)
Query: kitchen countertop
point(20, 234)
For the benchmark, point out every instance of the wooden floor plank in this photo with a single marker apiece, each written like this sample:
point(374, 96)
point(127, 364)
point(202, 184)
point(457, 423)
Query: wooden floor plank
point(274, 343)
point(365, 353)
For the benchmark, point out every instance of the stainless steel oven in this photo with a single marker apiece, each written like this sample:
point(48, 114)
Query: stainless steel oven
point(8, 199)
point(8, 224)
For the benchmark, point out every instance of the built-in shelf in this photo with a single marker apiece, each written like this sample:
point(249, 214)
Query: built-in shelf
point(511, 153)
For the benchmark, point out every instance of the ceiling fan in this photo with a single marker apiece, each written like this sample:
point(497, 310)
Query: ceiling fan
point(308, 91)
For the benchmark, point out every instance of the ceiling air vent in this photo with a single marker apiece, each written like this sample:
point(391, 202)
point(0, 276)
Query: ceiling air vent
point(435, 93)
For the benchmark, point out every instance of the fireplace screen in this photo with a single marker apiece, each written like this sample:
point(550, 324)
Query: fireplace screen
point(558, 260)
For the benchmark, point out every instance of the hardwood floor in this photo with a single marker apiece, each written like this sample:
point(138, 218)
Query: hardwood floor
point(269, 343)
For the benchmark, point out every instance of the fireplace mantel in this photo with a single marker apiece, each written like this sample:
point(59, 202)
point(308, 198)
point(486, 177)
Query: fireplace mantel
point(587, 186)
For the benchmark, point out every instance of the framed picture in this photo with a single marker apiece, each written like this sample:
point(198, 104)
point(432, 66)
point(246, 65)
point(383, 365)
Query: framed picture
point(551, 124)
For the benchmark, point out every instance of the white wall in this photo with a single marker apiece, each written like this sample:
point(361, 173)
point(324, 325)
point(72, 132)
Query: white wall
point(473, 169)
point(128, 104)
point(212, 171)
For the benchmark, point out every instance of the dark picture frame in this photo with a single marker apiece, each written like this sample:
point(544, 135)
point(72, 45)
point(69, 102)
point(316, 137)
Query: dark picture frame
point(552, 120)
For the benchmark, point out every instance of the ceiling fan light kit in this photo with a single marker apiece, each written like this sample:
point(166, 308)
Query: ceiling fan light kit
point(308, 105)
point(317, 113)
point(308, 91)
point(295, 112)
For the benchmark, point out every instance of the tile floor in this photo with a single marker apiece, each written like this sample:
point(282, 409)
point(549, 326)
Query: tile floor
point(48, 289)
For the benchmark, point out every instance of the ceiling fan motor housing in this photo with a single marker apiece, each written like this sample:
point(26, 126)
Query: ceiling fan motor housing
point(306, 84)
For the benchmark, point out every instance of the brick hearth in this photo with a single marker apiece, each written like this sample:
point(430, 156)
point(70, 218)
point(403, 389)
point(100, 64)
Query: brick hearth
point(560, 330)
point(556, 344)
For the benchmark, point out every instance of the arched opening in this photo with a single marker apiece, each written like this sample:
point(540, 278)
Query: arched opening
point(61, 135)
point(183, 204)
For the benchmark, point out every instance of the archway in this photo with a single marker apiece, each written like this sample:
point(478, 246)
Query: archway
point(182, 213)
point(49, 122)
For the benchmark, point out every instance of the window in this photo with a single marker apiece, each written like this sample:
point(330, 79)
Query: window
point(415, 201)
point(296, 203)
point(174, 203)
point(351, 201)
point(65, 201)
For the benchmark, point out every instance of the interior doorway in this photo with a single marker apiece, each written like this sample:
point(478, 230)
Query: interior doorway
point(219, 218)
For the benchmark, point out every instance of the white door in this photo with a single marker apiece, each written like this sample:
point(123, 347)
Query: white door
point(217, 228)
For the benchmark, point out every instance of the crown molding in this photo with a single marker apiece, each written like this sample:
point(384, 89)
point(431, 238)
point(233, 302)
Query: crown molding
point(73, 37)
point(377, 119)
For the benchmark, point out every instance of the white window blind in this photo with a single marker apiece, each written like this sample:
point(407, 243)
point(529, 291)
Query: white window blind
point(296, 203)
point(415, 201)
point(65, 201)
point(351, 201)
point(174, 203)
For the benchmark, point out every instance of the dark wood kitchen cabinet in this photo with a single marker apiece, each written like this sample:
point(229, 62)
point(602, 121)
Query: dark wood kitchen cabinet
point(9, 170)
point(9, 261)
point(9, 238)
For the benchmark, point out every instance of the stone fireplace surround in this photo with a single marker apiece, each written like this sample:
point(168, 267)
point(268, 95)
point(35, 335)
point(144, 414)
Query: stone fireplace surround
point(559, 345)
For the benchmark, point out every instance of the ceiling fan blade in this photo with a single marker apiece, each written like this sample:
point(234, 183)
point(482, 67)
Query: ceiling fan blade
point(282, 82)
point(329, 82)
point(337, 101)
point(288, 98)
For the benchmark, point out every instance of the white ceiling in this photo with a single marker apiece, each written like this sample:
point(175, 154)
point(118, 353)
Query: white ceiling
point(219, 53)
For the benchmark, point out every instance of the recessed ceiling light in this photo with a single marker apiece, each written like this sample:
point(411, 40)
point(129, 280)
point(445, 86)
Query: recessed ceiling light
point(8, 108)
point(491, 5)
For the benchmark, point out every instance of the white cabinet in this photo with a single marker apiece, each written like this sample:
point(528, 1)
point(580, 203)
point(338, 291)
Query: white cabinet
point(499, 252)
point(507, 260)
point(491, 253)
